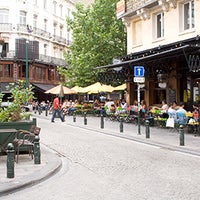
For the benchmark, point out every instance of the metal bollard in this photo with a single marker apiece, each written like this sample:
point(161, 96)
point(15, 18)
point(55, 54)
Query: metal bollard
point(10, 161)
point(74, 116)
point(121, 126)
point(37, 154)
point(102, 120)
point(46, 111)
point(182, 138)
point(147, 129)
point(85, 119)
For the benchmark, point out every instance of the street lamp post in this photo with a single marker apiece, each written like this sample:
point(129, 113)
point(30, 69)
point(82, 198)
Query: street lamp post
point(27, 42)
point(1, 50)
point(1, 44)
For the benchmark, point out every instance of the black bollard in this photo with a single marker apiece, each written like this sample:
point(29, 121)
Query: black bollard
point(147, 129)
point(74, 116)
point(37, 154)
point(85, 119)
point(102, 119)
point(121, 126)
point(10, 161)
point(181, 137)
point(46, 111)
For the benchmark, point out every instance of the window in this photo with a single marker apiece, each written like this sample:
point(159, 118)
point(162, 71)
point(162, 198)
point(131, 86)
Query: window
point(61, 10)
point(4, 15)
point(1, 70)
point(45, 4)
point(61, 31)
point(35, 21)
point(54, 28)
point(160, 25)
point(40, 73)
point(45, 24)
point(68, 12)
point(45, 49)
point(137, 33)
point(22, 17)
point(54, 7)
point(35, 2)
point(8, 70)
point(50, 74)
point(187, 15)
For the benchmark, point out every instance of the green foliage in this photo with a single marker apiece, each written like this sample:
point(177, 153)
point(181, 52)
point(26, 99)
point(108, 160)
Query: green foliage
point(20, 96)
point(98, 37)
point(26, 115)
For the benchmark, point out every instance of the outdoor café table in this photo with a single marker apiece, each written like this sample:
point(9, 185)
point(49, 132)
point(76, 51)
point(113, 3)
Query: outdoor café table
point(6, 136)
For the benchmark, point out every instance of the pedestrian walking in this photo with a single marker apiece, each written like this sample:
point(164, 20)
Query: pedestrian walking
point(56, 109)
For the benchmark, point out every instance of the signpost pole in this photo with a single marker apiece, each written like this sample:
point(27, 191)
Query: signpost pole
point(139, 132)
point(139, 78)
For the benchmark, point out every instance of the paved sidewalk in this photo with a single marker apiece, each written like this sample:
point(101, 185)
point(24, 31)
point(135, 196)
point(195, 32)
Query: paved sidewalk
point(162, 137)
point(27, 173)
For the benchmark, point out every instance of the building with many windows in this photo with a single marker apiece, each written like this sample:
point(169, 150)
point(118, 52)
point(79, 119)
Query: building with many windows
point(163, 36)
point(34, 37)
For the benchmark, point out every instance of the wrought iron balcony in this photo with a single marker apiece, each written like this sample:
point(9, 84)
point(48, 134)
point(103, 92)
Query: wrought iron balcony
point(42, 59)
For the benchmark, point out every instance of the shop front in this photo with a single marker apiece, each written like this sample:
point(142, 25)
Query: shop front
point(172, 72)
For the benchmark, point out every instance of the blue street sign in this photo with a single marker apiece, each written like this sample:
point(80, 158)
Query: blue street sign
point(138, 71)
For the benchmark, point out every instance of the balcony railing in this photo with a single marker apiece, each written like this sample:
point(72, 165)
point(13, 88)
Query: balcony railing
point(6, 27)
point(42, 58)
point(52, 60)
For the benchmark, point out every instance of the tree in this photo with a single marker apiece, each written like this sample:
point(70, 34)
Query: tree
point(98, 37)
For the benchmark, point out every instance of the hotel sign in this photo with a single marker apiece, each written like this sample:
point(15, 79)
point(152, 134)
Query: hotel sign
point(120, 8)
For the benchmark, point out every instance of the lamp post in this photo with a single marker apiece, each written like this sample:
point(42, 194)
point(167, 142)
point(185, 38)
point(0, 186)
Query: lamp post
point(27, 42)
point(1, 44)
point(1, 49)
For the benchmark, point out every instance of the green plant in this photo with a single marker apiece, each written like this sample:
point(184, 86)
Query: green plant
point(26, 115)
point(20, 95)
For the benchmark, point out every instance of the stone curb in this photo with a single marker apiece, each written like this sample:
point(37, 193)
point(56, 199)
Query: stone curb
point(53, 165)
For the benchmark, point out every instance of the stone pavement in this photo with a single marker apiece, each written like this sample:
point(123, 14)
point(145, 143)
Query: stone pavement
point(27, 173)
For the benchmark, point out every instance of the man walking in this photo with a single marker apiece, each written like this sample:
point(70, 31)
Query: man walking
point(56, 110)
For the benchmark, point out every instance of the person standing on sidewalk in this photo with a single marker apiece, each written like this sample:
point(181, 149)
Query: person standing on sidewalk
point(56, 109)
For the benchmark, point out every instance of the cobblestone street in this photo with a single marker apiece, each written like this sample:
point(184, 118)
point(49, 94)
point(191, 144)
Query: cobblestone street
point(104, 167)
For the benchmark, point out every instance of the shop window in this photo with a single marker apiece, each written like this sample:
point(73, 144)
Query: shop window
point(50, 74)
point(159, 95)
point(8, 70)
point(1, 70)
point(40, 73)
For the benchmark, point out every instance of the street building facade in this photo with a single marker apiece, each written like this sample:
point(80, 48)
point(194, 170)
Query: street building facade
point(163, 37)
point(34, 36)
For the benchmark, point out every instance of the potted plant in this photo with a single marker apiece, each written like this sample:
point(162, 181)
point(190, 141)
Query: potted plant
point(11, 116)
point(20, 96)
